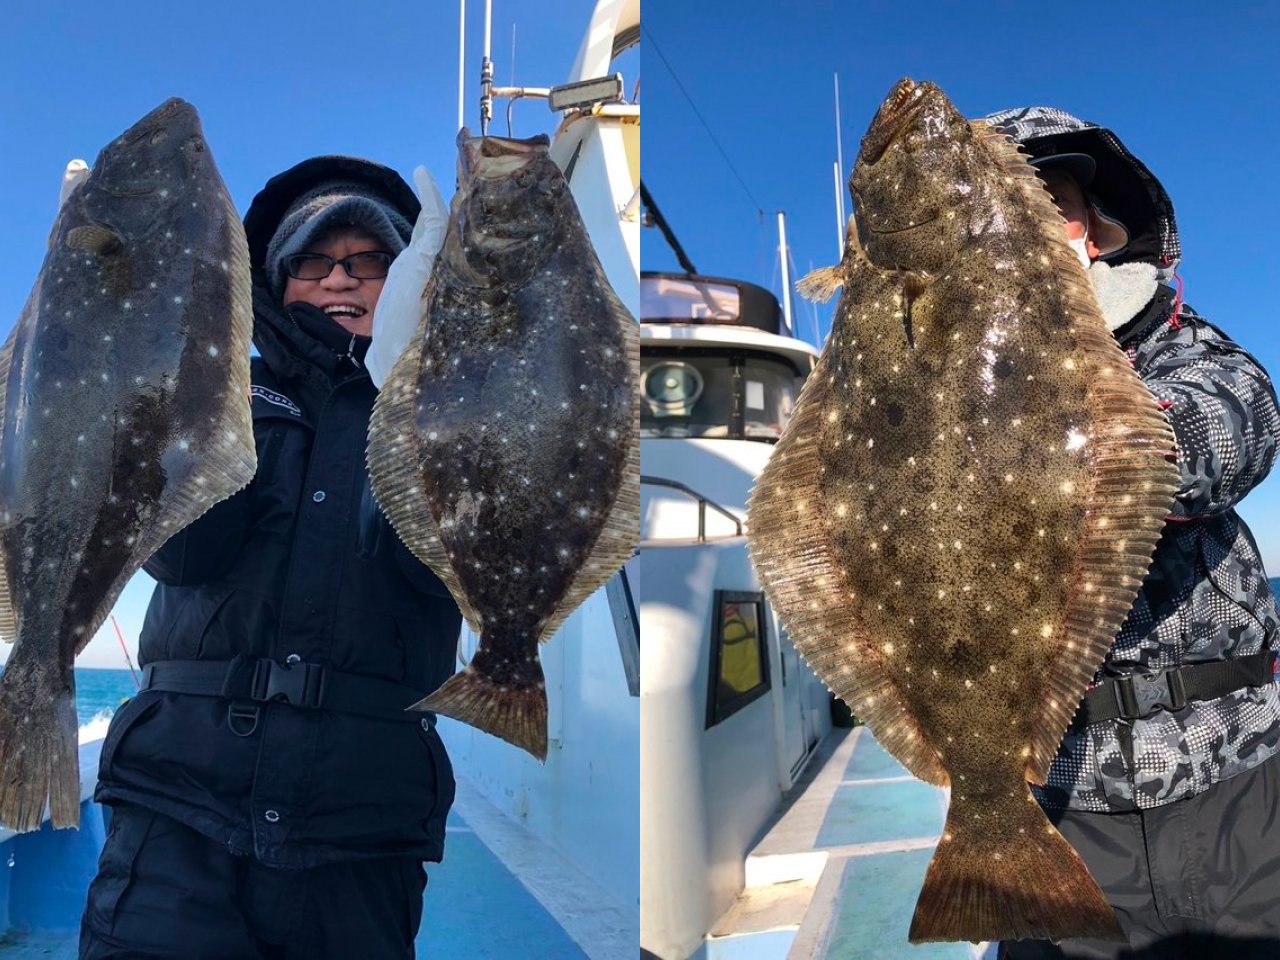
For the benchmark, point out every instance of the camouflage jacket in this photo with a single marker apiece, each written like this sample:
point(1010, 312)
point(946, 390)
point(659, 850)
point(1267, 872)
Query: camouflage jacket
point(1206, 596)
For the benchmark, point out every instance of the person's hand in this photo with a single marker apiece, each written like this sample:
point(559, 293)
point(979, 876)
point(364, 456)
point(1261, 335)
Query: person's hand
point(76, 173)
point(396, 317)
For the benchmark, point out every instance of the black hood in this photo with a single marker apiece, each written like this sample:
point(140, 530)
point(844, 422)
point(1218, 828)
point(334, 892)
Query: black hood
point(273, 200)
point(311, 351)
point(1123, 186)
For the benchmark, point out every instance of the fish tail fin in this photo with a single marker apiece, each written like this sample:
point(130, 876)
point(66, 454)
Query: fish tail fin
point(39, 751)
point(513, 711)
point(1023, 881)
point(821, 284)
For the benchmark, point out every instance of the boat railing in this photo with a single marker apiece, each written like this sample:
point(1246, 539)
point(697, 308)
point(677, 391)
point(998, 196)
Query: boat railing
point(703, 503)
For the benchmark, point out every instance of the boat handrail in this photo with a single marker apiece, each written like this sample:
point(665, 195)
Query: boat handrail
point(703, 502)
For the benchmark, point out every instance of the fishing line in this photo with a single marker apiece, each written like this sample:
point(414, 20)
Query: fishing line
point(127, 658)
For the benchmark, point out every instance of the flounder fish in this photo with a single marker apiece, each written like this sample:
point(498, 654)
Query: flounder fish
point(958, 517)
point(504, 446)
point(124, 415)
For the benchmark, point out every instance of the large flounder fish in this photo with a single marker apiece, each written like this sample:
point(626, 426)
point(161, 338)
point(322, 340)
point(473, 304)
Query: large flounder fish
point(504, 446)
point(124, 415)
point(959, 515)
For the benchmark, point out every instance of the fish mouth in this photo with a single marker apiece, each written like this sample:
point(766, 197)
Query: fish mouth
point(910, 226)
point(492, 158)
point(895, 113)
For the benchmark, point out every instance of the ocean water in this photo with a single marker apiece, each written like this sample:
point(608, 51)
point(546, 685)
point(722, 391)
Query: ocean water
point(99, 694)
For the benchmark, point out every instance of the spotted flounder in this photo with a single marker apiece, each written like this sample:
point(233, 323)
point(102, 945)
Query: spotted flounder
point(504, 446)
point(958, 517)
point(124, 415)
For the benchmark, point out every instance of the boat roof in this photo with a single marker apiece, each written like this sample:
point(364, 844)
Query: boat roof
point(693, 310)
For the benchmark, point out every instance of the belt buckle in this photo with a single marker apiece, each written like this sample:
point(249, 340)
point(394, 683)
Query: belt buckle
point(298, 684)
point(1141, 695)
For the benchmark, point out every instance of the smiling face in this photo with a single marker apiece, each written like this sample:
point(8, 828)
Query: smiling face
point(348, 300)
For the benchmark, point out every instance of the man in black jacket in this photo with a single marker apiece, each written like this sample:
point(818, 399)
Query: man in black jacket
point(270, 796)
point(1167, 780)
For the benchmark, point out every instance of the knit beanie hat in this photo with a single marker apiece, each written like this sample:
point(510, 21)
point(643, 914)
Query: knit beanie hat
point(333, 204)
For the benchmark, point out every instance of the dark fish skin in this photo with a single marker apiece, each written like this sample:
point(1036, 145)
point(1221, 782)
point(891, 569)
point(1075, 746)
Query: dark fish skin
point(124, 404)
point(958, 517)
point(504, 446)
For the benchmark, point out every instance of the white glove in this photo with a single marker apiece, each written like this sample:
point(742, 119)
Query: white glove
point(76, 173)
point(395, 319)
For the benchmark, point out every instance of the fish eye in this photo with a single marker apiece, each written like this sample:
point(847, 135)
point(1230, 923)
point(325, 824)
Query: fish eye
point(158, 137)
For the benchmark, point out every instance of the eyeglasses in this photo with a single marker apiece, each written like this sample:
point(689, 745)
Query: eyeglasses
point(371, 265)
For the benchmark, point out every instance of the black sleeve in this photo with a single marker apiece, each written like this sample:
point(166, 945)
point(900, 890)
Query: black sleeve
point(205, 549)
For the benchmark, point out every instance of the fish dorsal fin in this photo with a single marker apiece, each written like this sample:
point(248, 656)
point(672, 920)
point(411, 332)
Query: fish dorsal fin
point(8, 612)
point(95, 238)
point(1133, 481)
point(792, 552)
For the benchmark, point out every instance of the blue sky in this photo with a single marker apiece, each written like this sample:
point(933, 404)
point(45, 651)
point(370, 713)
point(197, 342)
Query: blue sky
point(274, 84)
point(1190, 88)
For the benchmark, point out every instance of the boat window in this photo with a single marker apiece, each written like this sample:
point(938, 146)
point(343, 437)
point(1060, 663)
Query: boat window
point(739, 655)
point(730, 397)
point(688, 301)
point(768, 397)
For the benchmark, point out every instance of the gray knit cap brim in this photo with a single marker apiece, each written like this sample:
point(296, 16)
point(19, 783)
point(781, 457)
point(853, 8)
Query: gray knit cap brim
point(329, 206)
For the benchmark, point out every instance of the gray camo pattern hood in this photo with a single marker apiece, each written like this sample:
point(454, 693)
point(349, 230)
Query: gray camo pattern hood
point(1123, 186)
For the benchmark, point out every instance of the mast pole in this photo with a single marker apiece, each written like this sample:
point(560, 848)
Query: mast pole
point(786, 276)
point(840, 221)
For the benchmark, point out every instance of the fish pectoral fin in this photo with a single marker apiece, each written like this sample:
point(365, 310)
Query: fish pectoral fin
point(821, 284)
point(95, 238)
point(103, 242)
point(914, 283)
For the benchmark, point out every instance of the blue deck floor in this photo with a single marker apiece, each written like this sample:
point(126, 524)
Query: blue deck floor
point(877, 826)
point(879, 806)
point(474, 907)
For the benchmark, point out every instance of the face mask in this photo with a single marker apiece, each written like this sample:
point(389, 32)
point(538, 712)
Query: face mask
point(1078, 246)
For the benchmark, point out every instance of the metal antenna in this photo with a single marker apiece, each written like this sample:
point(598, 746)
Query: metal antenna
point(840, 215)
point(486, 71)
point(462, 62)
